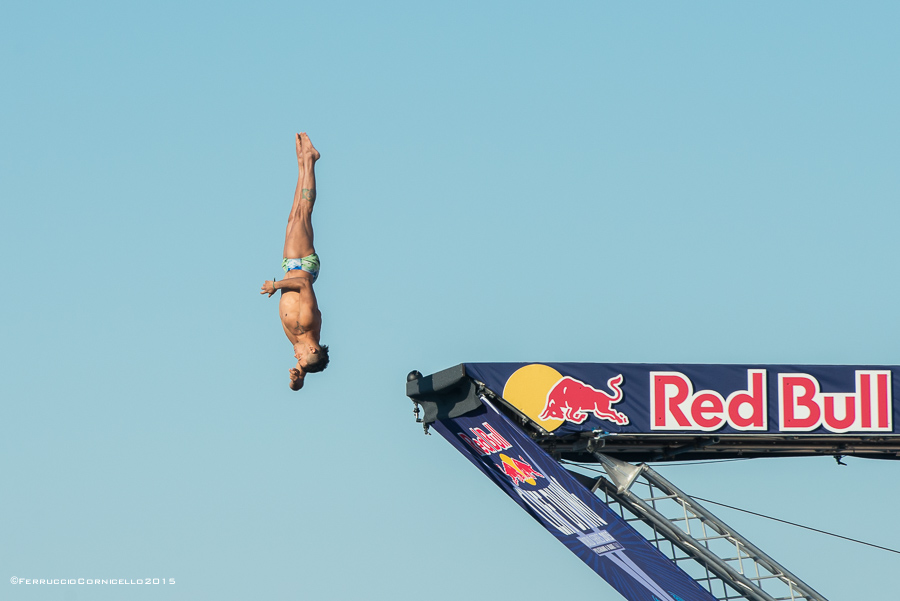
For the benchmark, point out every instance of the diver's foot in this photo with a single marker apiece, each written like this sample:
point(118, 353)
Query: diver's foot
point(305, 149)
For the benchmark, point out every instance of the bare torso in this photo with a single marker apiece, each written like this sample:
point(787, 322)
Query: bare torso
point(299, 311)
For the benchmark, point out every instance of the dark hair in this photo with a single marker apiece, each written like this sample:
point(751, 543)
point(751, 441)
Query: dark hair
point(320, 362)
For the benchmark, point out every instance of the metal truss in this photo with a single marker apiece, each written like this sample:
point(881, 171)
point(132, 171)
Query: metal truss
point(718, 558)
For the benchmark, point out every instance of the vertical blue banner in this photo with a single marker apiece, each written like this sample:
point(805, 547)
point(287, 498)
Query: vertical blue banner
point(576, 517)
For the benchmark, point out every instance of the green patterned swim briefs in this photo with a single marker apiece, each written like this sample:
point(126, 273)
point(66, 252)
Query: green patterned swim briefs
point(308, 264)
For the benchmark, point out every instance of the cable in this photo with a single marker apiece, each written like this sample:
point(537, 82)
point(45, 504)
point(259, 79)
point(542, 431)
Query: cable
point(699, 461)
point(768, 517)
point(591, 469)
point(678, 463)
point(798, 525)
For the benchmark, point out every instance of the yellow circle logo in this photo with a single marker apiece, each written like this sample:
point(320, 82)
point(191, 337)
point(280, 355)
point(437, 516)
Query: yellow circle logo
point(527, 391)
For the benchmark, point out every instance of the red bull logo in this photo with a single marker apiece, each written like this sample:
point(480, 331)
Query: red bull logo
point(486, 443)
point(519, 470)
point(802, 406)
point(574, 400)
point(551, 399)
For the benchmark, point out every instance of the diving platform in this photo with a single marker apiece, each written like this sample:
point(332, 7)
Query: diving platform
point(519, 422)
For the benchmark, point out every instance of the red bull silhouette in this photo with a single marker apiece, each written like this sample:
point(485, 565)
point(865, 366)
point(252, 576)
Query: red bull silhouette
point(573, 400)
point(519, 471)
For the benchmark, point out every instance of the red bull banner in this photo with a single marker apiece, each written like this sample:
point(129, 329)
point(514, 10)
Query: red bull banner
point(724, 399)
point(577, 518)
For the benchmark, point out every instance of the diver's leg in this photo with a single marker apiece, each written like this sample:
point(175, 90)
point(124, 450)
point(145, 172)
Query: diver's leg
point(298, 239)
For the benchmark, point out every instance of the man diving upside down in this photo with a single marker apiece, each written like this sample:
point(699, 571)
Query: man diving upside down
point(300, 315)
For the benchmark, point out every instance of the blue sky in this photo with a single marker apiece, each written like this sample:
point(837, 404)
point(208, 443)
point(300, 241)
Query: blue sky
point(677, 182)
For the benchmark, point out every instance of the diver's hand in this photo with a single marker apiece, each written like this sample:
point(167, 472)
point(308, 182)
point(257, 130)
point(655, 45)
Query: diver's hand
point(296, 378)
point(268, 288)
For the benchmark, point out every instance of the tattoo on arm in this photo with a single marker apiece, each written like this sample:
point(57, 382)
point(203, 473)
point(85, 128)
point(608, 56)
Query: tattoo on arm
point(308, 194)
